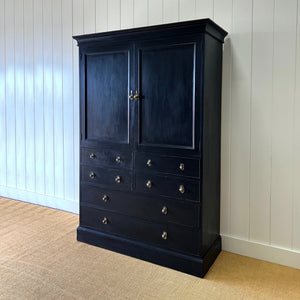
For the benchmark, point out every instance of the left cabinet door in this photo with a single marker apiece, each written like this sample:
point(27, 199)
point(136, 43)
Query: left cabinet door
point(105, 84)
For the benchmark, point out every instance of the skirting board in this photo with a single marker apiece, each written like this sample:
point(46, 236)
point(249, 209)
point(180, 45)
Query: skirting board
point(40, 199)
point(265, 252)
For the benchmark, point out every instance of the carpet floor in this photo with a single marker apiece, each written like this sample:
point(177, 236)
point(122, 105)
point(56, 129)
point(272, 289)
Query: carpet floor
point(41, 259)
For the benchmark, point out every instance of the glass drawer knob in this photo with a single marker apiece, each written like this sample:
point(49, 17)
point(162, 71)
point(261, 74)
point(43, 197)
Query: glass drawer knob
point(92, 156)
point(181, 167)
point(164, 235)
point(118, 179)
point(149, 163)
point(118, 159)
point(105, 198)
point(164, 210)
point(92, 175)
point(181, 189)
point(149, 184)
point(105, 221)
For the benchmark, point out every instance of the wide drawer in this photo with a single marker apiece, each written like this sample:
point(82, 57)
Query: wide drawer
point(111, 178)
point(177, 187)
point(106, 158)
point(164, 235)
point(159, 209)
point(168, 164)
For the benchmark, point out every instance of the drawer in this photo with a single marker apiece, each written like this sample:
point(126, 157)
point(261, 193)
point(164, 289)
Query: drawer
point(111, 178)
point(164, 235)
point(159, 209)
point(168, 164)
point(106, 158)
point(181, 188)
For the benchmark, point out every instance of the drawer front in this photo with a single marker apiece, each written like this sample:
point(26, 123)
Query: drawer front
point(106, 158)
point(168, 164)
point(159, 209)
point(110, 178)
point(176, 187)
point(166, 236)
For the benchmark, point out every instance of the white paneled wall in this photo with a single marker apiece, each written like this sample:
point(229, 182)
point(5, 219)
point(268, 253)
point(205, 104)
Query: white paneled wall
point(39, 108)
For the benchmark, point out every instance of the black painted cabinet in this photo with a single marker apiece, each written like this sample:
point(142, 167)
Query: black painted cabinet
point(150, 110)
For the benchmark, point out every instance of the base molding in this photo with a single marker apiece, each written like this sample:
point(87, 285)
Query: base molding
point(181, 262)
point(265, 252)
point(40, 199)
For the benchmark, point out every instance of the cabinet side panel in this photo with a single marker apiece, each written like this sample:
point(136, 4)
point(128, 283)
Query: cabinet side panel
point(211, 142)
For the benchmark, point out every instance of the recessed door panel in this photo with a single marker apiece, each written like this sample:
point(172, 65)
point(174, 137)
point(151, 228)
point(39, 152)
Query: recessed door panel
point(107, 105)
point(167, 96)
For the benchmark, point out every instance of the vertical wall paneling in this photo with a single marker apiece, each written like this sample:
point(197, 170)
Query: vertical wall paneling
point(29, 96)
point(101, 15)
point(48, 97)
point(170, 11)
point(155, 12)
point(282, 121)
point(223, 17)
point(19, 90)
point(114, 15)
point(2, 95)
point(68, 108)
point(240, 117)
point(187, 10)
point(126, 14)
point(205, 9)
point(140, 10)
point(10, 93)
point(77, 29)
point(89, 16)
point(261, 108)
point(58, 127)
point(38, 96)
point(296, 149)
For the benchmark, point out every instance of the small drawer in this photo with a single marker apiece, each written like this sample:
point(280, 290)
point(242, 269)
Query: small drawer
point(163, 235)
point(168, 164)
point(106, 158)
point(111, 178)
point(181, 188)
point(159, 209)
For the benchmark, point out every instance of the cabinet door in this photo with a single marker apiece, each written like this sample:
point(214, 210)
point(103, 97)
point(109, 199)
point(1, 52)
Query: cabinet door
point(105, 106)
point(166, 81)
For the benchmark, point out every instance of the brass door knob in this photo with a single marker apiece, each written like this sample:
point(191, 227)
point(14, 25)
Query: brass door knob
point(92, 175)
point(105, 221)
point(181, 189)
point(118, 179)
point(131, 97)
point(164, 210)
point(149, 184)
point(181, 167)
point(149, 163)
point(136, 96)
point(92, 156)
point(118, 159)
point(105, 198)
point(164, 235)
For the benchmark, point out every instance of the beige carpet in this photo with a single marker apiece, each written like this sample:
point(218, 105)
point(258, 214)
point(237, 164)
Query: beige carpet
point(41, 259)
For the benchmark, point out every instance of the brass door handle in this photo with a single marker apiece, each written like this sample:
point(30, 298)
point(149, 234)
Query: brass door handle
point(131, 97)
point(136, 96)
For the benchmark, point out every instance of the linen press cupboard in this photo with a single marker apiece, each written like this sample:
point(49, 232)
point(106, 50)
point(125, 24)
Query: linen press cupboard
point(150, 109)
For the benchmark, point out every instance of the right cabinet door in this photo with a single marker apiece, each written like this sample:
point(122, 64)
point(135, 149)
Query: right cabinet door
point(167, 106)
